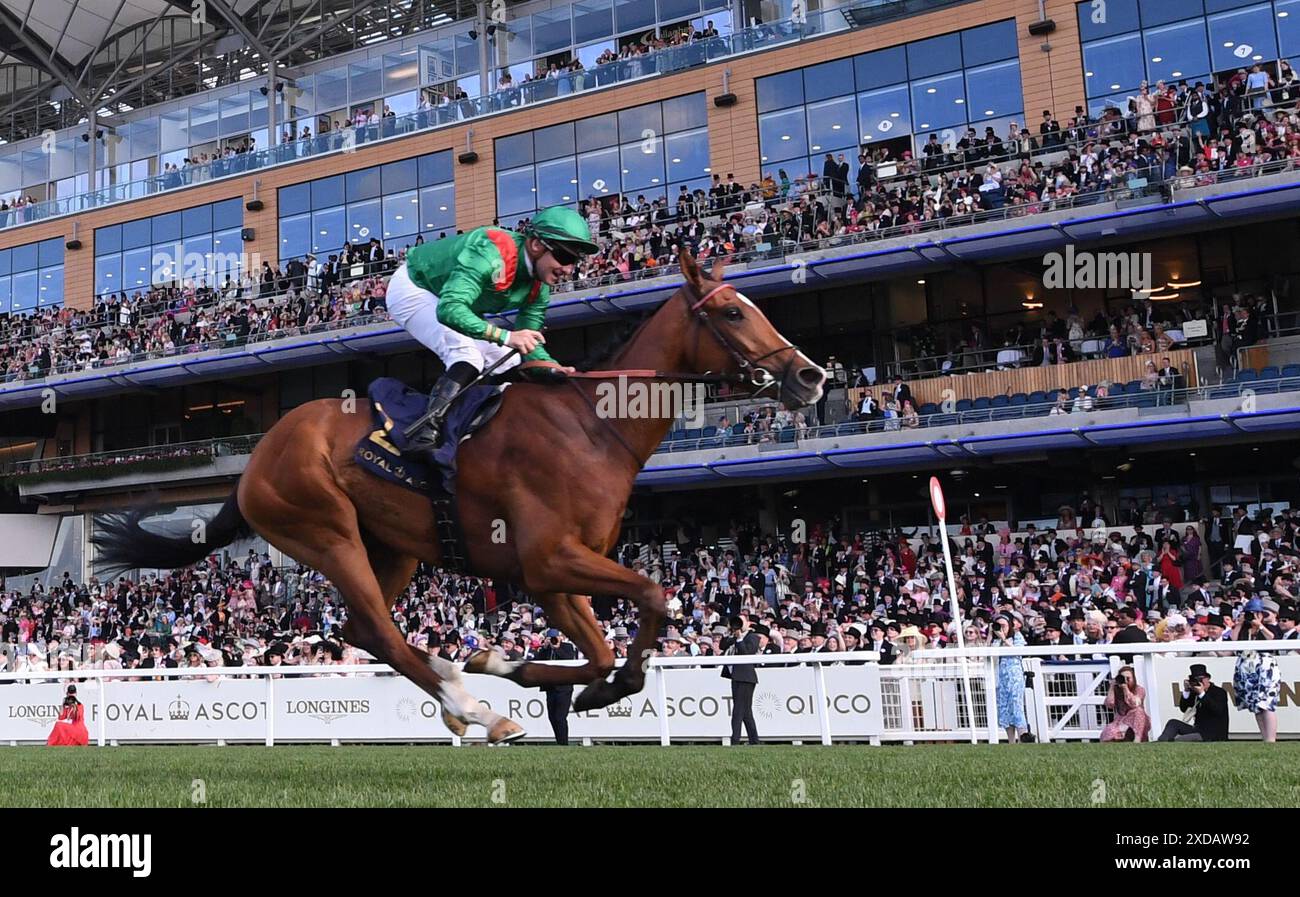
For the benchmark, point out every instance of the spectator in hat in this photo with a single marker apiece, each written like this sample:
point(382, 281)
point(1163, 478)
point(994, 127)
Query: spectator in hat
point(744, 678)
point(559, 698)
point(1289, 624)
point(1256, 680)
point(1126, 697)
point(878, 641)
point(1210, 704)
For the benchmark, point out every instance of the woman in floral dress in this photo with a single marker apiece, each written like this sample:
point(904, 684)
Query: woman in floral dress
point(1256, 683)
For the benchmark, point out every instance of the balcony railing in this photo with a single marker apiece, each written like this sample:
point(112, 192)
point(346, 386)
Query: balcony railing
point(149, 459)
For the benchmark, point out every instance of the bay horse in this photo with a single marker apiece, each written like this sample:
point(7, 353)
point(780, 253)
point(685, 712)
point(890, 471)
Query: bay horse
point(549, 468)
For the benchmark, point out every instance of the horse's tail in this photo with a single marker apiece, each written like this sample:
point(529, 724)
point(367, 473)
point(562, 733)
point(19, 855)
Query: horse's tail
point(123, 544)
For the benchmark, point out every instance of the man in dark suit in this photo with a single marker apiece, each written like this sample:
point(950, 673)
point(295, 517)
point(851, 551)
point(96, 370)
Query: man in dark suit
point(902, 392)
point(1129, 632)
point(560, 697)
point(744, 678)
point(1211, 703)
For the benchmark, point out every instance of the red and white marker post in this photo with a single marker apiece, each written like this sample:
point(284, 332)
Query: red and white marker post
point(941, 511)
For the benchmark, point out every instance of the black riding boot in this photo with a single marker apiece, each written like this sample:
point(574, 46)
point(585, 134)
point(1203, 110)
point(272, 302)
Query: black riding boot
point(449, 385)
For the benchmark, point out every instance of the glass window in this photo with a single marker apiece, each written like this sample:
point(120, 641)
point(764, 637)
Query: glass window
point(328, 230)
point(107, 239)
point(832, 123)
point(365, 221)
point(597, 131)
point(11, 172)
point(24, 257)
point(1288, 26)
point(6, 262)
point(557, 182)
point(257, 118)
point(514, 151)
point(672, 10)
point(516, 191)
point(327, 192)
point(204, 125)
point(688, 112)
point(197, 264)
point(1105, 18)
point(295, 236)
point(51, 286)
point(438, 209)
point(365, 80)
point(687, 154)
point(143, 138)
point(631, 16)
point(234, 115)
point(137, 267)
point(401, 71)
point(49, 252)
point(136, 233)
point(592, 20)
point(599, 173)
point(553, 142)
point(640, 123)
point(226, 245)
point(164, 263)
point(1250, 34)
point(552, 31)
point(435, 168)
point(6, 295)
point(466, 57)
point(830, 79)
point(934, 55)
point(880, 67)
point(362, 184)
point(783, 91)
point(1174, 48)
point(294, 199)
point(884, 114)
point(25, 291)
point(989, 43)
point(519, 45)
point(939, 102)
point(36, 169)
point(332, 89)
point(230, 213)
point(108, 274)
point(783, 135)
point(1162, 12)
point(1113, 64)
point(642, 168)
point(196, 220)
point(591, 52)
point(398, 176)
point(401, 214)
point(166, 227)
point(993, 90)
point(175, 130)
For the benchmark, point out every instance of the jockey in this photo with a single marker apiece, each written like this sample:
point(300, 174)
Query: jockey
point(443, 290)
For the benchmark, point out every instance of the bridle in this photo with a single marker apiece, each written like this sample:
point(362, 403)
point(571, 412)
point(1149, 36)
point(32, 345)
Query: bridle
point(750, 370)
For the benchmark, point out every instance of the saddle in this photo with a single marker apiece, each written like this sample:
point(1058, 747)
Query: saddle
point(393, 407)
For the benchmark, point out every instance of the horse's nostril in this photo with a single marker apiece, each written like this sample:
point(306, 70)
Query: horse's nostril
point(811, 376)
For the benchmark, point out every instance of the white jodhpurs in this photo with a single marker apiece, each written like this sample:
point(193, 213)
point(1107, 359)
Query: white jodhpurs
point(416, 310)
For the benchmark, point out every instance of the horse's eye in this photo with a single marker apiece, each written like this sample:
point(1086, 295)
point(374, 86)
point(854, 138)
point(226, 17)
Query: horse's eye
point(732, 313)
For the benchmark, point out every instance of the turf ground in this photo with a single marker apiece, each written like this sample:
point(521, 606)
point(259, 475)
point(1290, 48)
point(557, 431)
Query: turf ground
point(1059, 775)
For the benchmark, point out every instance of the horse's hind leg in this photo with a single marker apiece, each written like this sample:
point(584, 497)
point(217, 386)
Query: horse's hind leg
point(572, 614)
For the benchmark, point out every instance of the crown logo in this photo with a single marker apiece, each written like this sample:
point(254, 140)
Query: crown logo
point(621, 710)
point(179, 709)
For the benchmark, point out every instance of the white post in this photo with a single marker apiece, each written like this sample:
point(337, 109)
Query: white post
point(103, 710)
point(1042, 719)
point(661, 704)
point(823, 712)
point(1144, 670)
point(941, 510)
point(991, 697)
point(270, 711)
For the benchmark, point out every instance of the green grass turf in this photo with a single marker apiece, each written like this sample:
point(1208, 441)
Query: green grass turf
point(1058, 775)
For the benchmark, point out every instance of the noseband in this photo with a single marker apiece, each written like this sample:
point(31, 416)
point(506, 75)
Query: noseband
point(750, 371)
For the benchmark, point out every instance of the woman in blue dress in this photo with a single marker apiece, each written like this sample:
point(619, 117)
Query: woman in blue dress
point(1011, 680)
point(1257, 681)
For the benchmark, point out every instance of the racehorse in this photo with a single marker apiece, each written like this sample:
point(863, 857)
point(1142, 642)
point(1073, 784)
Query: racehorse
point(541, 492)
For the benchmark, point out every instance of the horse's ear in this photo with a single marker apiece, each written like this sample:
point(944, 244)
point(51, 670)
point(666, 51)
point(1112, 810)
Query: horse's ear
point(690, 268)
point(719, 266)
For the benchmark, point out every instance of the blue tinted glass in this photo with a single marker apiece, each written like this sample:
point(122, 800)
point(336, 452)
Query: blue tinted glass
point(830, 79)
point(597, 131)
point(599, 173)
point(557, 181)
point(365, 221)
point(516, 191)
point(671, 10)
point(832, 123)
point(1175, 51)
point(513, 151)
point(640, 168)
point(137, 264)
point(226, 243)
point(230, 212)
point(362, 184)
point(6, 294)
point(6, 261)
point(635, 122)
point(166, 228)
point(1162, 12)
point(880, 68)
point(437, 210)
point(107, 239)
point(1104, 18)
point(939, 102)
point(51, 286)
point(435, 168)
point(933, 56)
point(782, 135)
point(50, 252)
point(989, 43)
point(328, 230)
point(685, 113)
point(401, 214)
point(1220, 5)
point(196, 220)
point(164, 263)
point(295, 199)
point(1251, 33)
point(136, 233)
point(25, 258)
point(1288, 26)
point(628, 16)
point(108, 274)
point(993, 91)
point(1113, 64)
point(553, 142)
point(592, 19)
point(884, 114)
point(295, 236)
point(25, 291)
point(197, 263)
point(688, 155)
point(398, 176)
point(327, 193)
point(782, 91)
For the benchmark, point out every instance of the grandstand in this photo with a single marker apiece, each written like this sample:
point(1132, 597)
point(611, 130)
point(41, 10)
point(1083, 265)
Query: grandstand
point(198, 220)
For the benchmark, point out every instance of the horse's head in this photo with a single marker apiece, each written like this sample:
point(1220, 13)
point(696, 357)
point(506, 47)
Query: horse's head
point(737, 338)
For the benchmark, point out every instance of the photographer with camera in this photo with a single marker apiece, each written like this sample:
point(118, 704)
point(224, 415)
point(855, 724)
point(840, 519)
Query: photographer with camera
point(559, 698)
point(1211, 710)
point(1257, 681)
point(1126, 697)
point(70, 727)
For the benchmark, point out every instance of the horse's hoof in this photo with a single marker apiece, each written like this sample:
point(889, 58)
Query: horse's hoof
point(504, 731)
point(455, 726)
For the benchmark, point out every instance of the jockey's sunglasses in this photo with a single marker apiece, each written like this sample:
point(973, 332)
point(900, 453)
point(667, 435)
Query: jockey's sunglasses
point(562, 253)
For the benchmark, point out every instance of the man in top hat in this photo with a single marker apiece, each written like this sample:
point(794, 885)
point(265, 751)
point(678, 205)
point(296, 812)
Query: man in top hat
point(744, 678)
point(1211, 703)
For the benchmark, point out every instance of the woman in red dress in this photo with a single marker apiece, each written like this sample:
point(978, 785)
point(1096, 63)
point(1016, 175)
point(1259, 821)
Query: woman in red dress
point(70, 727)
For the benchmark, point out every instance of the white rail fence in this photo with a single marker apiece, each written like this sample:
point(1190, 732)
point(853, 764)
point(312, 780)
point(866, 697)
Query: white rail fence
point(826, 698)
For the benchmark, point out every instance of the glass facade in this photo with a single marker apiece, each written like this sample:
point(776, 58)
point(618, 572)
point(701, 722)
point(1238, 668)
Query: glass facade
point(393, 202)
point(652, 151)
point(31, 276)
point(200, 245)
point(895, 96)
point(1128, 41)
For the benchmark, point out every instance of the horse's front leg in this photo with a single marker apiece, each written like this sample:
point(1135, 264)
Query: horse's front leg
point(572, 615)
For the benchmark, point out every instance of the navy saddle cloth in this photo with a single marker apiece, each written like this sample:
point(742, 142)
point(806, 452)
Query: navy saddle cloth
point(394, 406)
